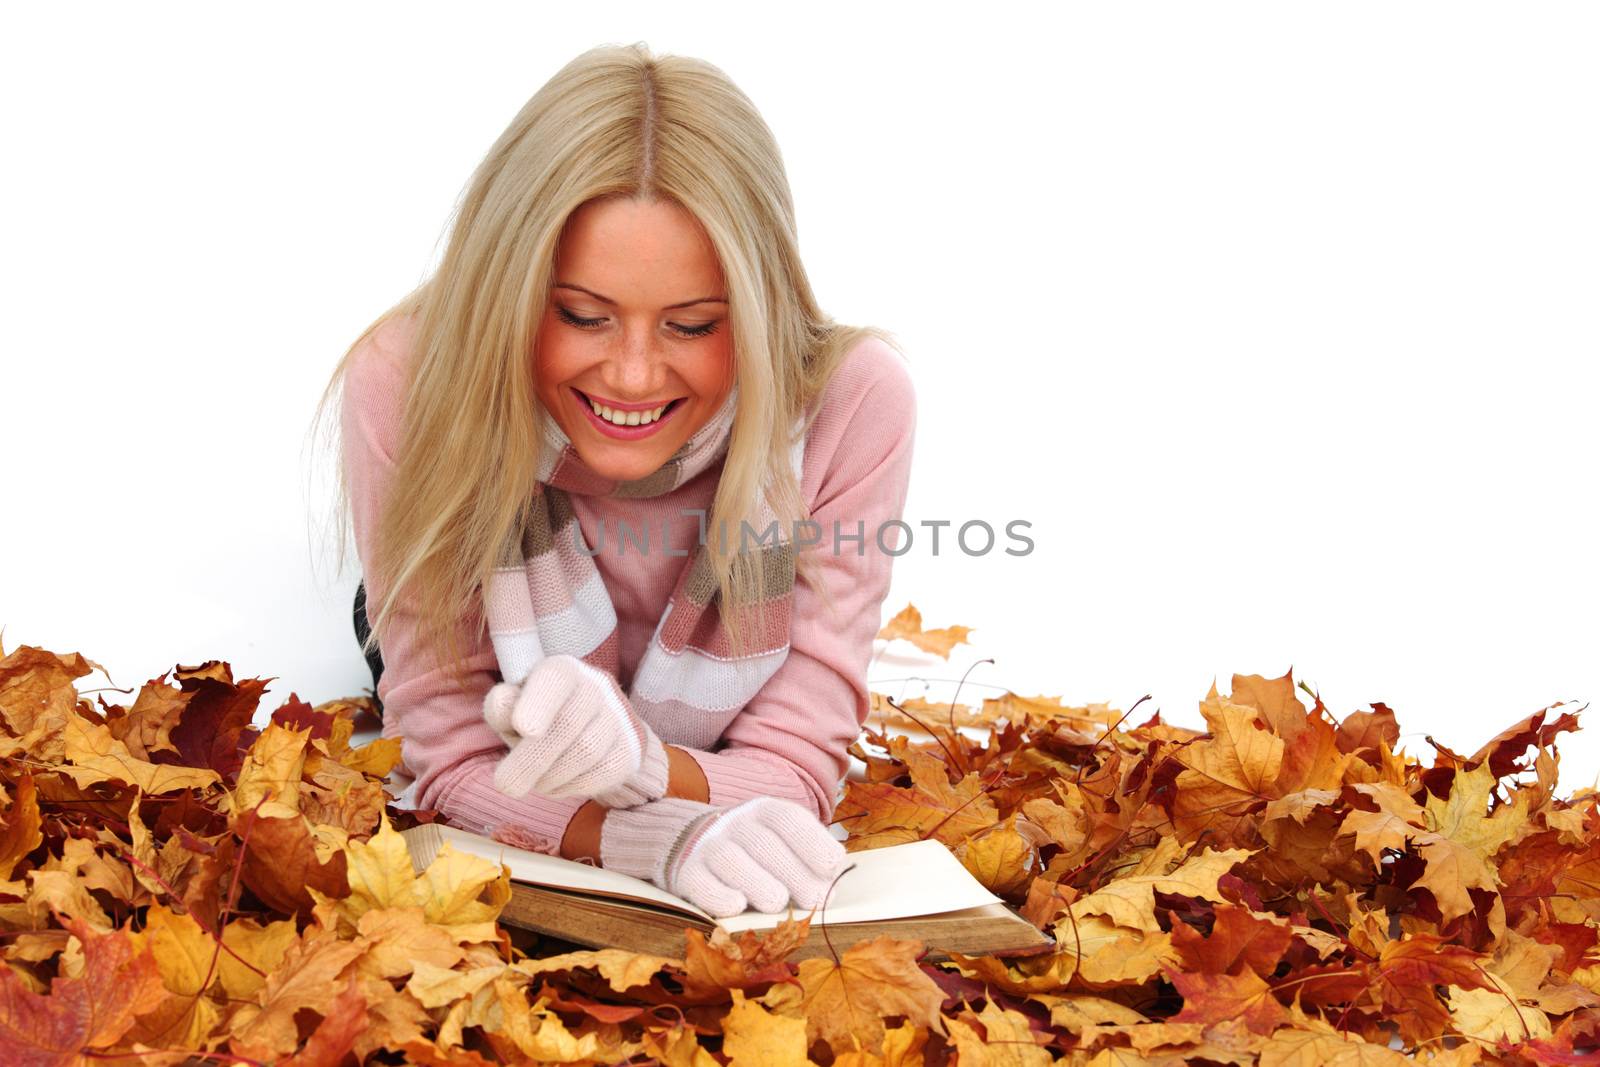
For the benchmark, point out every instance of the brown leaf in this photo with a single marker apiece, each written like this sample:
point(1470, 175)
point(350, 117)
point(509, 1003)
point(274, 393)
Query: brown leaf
point(999, 1036)
point(1240, 939)
point(37, 698)
point(96, 756)
point(1214, 998)
point(281, 864)
point(146, 728)
point(215, 731)
point(1001, 858)
point(845, 1003)
point(753, 958)
point(1369, 731)
point(1228, 775)
point(308, 977)
point(21, 833)
point(336, 1034)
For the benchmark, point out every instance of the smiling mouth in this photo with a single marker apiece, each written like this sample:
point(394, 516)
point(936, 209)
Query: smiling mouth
point(617, 417)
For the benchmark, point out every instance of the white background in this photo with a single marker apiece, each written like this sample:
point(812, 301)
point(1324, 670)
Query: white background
point(1277, 322)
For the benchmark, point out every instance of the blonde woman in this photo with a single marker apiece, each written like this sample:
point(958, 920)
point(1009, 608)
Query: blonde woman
point(626, 501)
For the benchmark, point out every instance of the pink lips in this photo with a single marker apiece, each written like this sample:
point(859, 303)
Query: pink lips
point(624, 433)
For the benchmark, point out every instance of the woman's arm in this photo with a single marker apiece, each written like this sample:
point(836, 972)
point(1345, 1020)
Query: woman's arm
point(446, 745)
point(791, 740)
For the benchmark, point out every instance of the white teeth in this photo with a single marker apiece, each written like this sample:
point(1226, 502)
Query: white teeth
point(627, 418)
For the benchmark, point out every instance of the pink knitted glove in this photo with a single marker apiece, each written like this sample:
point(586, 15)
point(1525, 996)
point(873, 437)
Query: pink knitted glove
point(572, 733)
point(761, 853)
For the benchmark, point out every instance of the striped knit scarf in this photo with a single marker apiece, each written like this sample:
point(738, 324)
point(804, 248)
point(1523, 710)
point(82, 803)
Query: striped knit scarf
point(547, 597)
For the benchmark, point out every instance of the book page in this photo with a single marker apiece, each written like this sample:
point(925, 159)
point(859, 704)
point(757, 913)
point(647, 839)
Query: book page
point(894, 882)
point(537, 868)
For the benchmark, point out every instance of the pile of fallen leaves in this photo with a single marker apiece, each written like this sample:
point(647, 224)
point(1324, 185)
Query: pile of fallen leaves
point(179, 885)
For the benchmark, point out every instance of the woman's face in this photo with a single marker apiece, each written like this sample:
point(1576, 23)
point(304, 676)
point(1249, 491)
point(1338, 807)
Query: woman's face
point(637, 319)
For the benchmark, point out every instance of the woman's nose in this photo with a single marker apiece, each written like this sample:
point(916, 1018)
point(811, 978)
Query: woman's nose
point(637, 367)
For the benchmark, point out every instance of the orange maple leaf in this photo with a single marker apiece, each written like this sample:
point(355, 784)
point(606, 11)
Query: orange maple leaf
point(82, 1014)
point(907, 626)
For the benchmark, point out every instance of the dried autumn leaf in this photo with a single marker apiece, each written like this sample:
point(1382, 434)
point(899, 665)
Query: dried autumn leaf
point(377, 757)
point(255, 951)
point(622, 970)
point(281, 865)
point(1001, 858)
point(335, 1036)
point(1291, 1047)
point(215, 730)
point(753, 1035)
point(753, 958)
point(146, 727)
point(1464, 817)
point(1495, 1015)
point(400, 938)
point(539, 1034)
point(90, 1011)
point(845, 1002)
point(1214, 998)
point(1228, 775)
point(271, 772)
point(21, 833)
point(457, 890)
point(308, 977)
point(1129, 900)
point(38, 699)
point(1364, 732)
point(1410, 971)
point(187, 958)
point(999, 1036)
point(907, 626)
point(94, 755)
point(1240, 939)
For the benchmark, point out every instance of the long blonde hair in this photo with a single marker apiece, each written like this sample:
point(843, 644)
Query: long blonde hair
point(615, 121)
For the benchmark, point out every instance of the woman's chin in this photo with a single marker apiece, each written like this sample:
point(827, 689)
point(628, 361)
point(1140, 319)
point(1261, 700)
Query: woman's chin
point(624, 462)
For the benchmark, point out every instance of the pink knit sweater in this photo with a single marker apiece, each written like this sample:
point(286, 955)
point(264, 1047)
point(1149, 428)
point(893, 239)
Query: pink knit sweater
point(790, 740)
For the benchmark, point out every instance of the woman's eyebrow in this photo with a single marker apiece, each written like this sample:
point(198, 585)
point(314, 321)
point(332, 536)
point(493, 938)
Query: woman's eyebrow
point(669, 307)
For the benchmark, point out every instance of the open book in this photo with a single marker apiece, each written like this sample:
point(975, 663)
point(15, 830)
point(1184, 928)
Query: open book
point(915, 890)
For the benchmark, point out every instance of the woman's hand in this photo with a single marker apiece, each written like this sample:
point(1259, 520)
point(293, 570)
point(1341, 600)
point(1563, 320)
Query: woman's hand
point(572, 733)
point(763, 853)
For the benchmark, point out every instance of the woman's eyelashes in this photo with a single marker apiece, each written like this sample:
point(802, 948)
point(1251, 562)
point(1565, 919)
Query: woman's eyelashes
point(570, 319)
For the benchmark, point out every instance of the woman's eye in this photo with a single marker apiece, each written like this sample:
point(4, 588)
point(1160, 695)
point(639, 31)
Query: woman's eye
point(570, 319)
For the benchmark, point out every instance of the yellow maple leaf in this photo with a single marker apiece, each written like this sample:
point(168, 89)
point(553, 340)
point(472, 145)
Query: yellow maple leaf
point(845, 1002)
point(256, 949)
point(95, 756)
point(755, 1036)
point(1464, 816)
point(999, 1036)
point(1129, 901)
point(622, 970)
point(458, 890)
point(272, 770)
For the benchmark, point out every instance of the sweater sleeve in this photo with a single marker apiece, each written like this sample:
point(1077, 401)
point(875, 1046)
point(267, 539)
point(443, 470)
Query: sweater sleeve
point(792, 739)
point(446, 746)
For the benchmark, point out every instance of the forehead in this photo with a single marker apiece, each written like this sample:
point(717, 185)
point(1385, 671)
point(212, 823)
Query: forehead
point(638, 253)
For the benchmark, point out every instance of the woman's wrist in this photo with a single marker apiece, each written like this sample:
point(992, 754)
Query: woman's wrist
point(582, 840)
point(685, 778)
